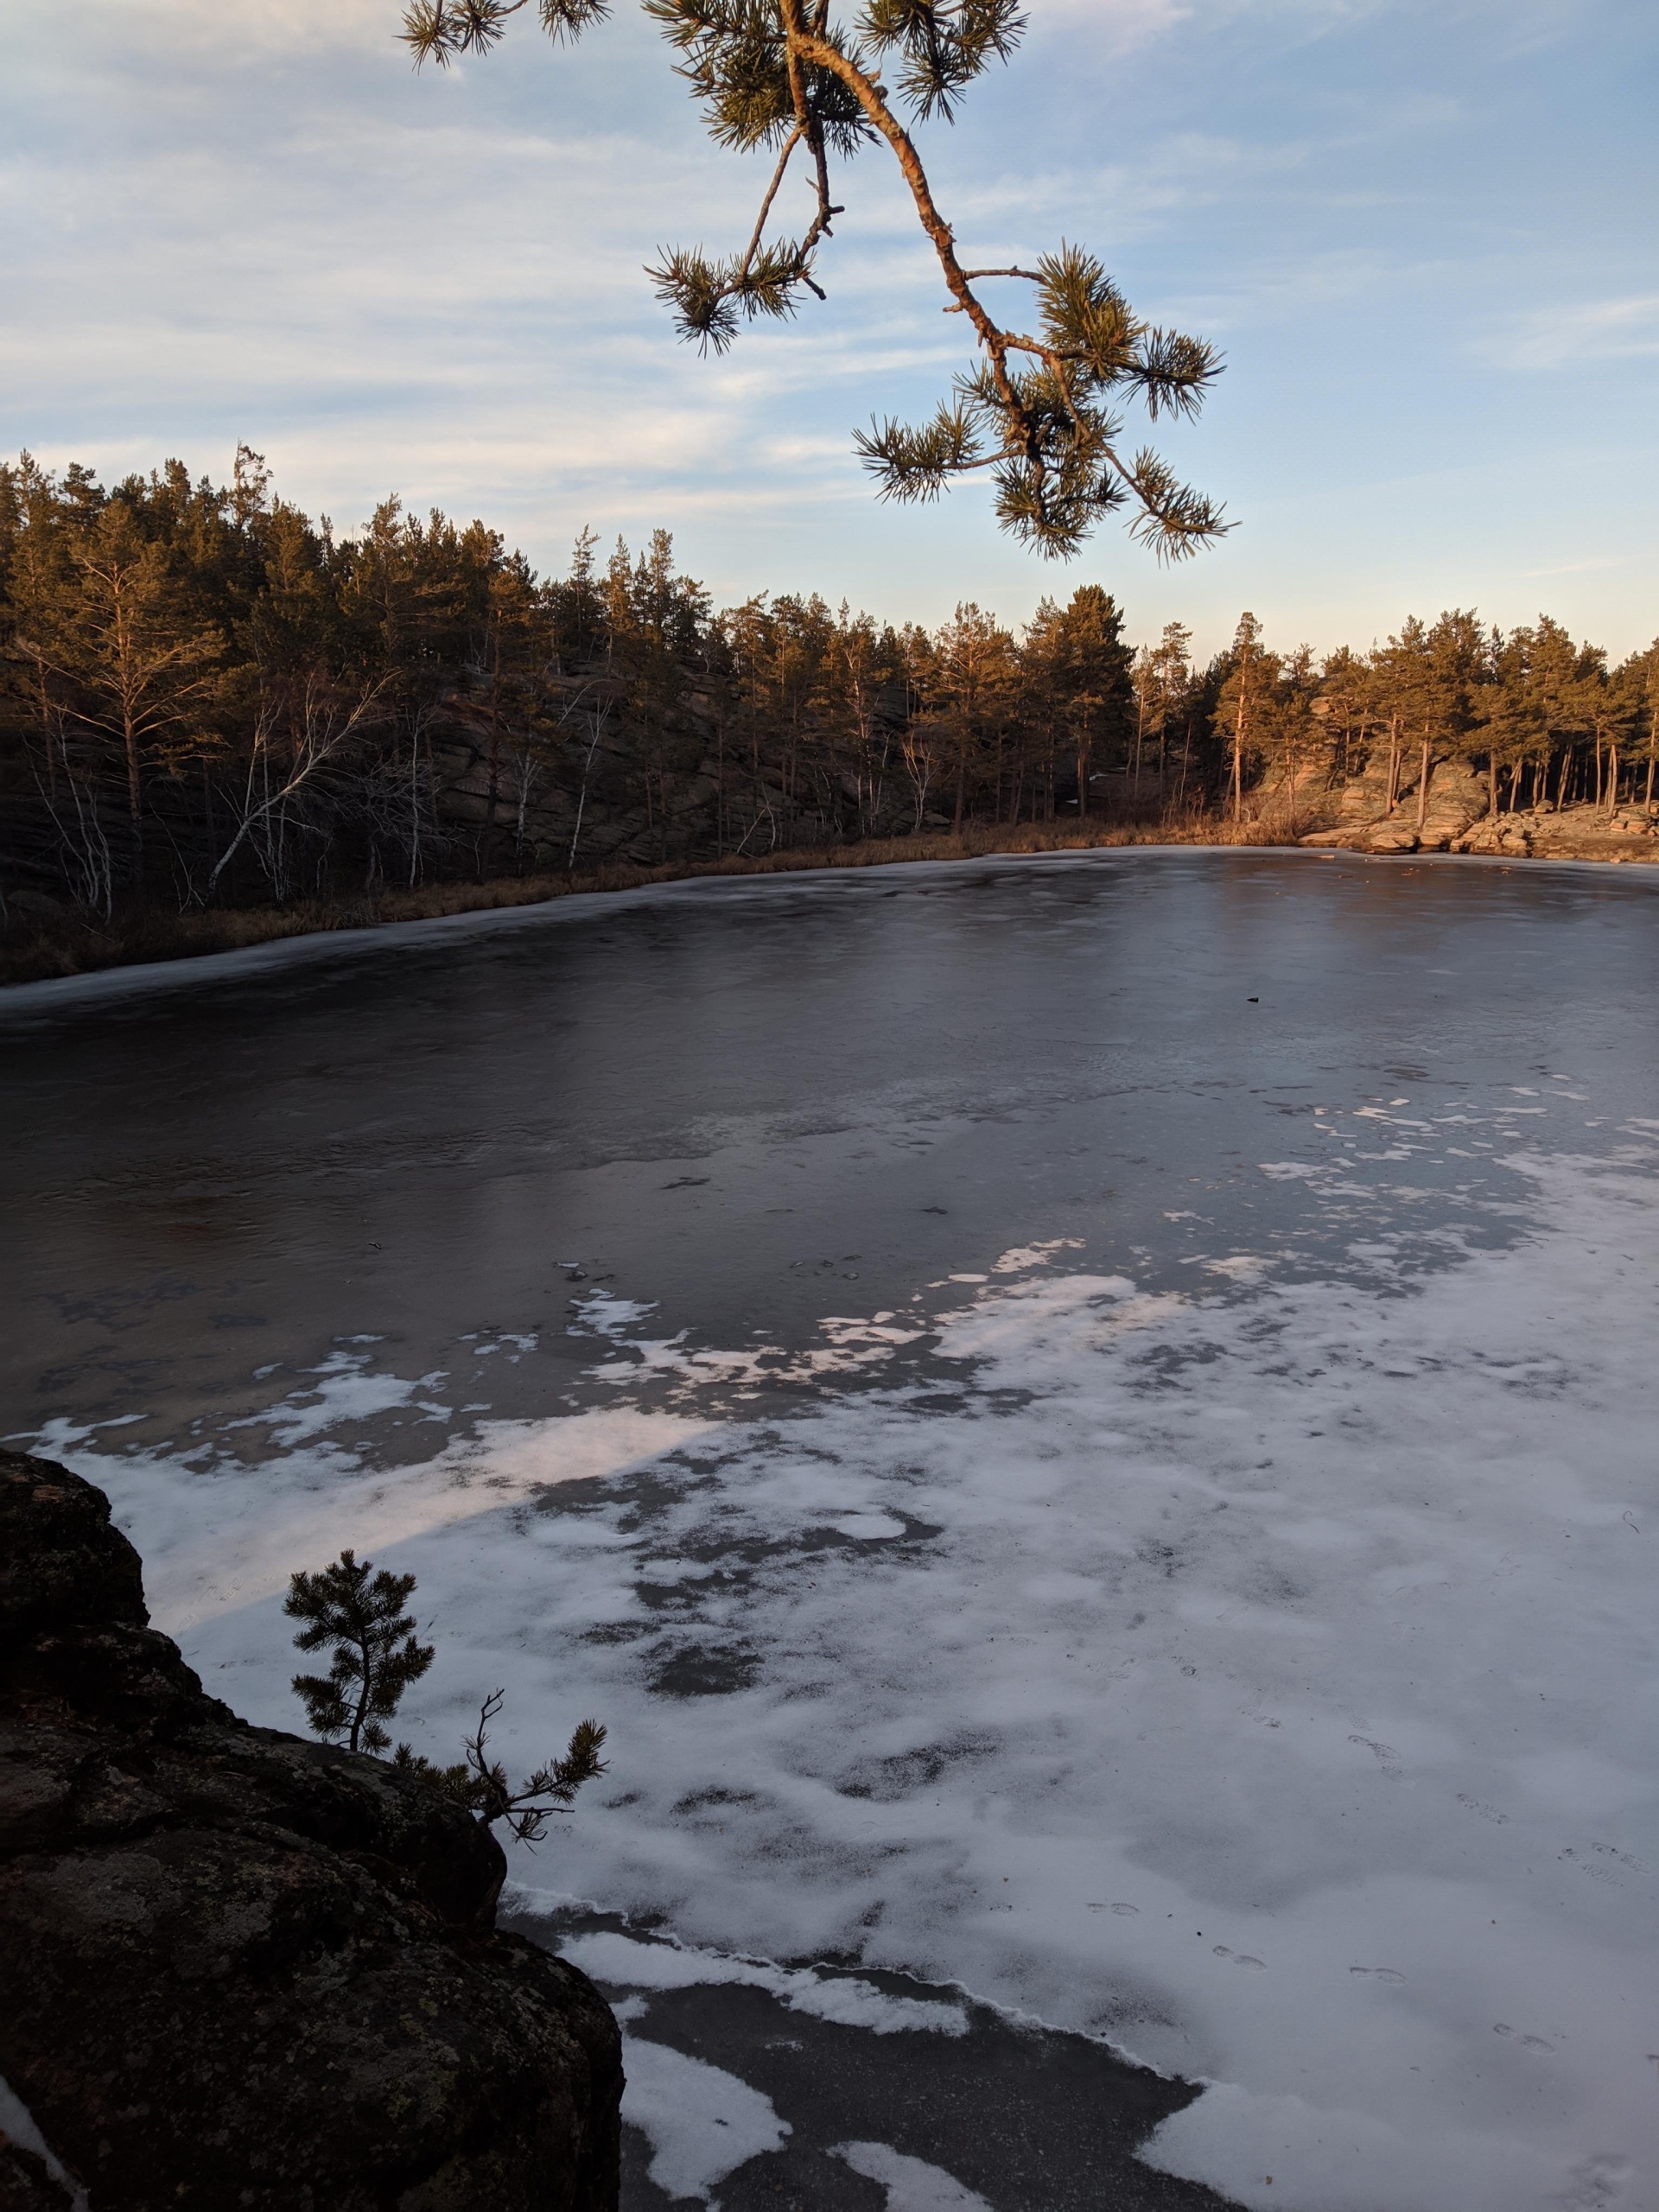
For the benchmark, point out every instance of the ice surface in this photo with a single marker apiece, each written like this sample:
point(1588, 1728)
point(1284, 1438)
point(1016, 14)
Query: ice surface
point(1260, 1677)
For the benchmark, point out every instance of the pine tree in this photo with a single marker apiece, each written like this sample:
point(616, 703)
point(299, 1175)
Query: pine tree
point(1345, 705)
point(375, 1658)
point(1423, 688)
point(1635, 683)
point(1243, 705)
point(1555, 672)
point(1039, 407)
point(142, 670)
point(974, 676)
point(1289, 734)
point(1512, 719)
point(375, 1654)
point(1090, 667)
point(1611, 709)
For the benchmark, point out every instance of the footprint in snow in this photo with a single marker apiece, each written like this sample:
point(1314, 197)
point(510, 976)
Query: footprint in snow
point(1379, 1974)
point(1238, 1958)
point(1388, 1759)
point(1486, 1812)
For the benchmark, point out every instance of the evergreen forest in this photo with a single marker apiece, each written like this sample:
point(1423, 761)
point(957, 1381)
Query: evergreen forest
point(210, 702)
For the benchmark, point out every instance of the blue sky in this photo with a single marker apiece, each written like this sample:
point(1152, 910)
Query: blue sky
point(1424, 235)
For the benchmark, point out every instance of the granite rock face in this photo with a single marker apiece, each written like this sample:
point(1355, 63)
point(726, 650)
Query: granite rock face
point(240, 1969)
point(1456, 797)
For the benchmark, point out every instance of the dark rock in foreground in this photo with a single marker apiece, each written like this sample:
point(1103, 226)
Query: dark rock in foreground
point(243, 1970)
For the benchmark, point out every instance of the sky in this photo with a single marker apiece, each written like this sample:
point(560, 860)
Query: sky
point(1422, 231)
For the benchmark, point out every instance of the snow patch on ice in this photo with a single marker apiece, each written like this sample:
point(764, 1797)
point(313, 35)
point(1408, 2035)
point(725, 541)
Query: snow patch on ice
point(867, 1527)
point(1282, 2154)
point(606, 1315)
point(1263, 1680)
point(701, 2122)
point(912, 2184)
point(219, 1537)
point(1025, 1256)
point(622, 1961)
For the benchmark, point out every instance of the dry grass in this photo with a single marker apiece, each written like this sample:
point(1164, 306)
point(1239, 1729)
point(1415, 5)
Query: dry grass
point(74, 947)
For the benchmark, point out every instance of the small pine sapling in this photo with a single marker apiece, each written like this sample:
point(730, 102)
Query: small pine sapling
point(375, 1654)
point(375, 1658)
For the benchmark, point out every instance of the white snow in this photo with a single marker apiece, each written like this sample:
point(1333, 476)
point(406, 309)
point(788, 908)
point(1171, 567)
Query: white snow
point(618, 1961)
point(912, 2184)
point(702, 2123)
point(216, 1536)
point(17, 2123)
point(1276, 1698)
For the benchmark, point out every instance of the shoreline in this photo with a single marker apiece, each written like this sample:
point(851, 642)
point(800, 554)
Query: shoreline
point(249, 939)
point(65, 950)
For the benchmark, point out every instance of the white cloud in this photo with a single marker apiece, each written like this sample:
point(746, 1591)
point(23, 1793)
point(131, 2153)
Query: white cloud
point(227, 218)
point(1596, 330)
point(238, 31)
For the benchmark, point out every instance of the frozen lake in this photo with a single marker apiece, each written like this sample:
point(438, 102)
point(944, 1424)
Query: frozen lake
point(1085, 1422)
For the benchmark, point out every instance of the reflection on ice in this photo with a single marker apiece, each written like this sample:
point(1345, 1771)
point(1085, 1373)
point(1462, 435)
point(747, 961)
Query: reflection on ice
point(221, 1536)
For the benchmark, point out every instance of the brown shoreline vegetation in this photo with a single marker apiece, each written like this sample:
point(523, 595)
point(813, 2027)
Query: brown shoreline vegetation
point(67, 947)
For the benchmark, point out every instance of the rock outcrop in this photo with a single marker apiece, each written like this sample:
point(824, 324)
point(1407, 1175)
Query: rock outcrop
point(1573, 833)
point(1457, 818)
point(1455, 798)
point(242, 1970)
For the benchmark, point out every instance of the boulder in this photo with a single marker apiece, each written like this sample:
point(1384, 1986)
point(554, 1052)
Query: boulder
point(1506, 833)
point(242, 1969)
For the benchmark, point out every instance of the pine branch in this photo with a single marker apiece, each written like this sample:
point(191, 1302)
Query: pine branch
point(442, 30)
point(1036, 409)
point(480, 1782)
point(917, 464)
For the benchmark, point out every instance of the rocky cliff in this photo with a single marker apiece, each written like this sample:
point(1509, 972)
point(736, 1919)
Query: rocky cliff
point(239, 1969)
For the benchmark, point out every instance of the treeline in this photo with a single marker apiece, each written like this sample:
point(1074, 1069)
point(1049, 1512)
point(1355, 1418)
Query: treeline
point(1544, 722)
point(206, 699)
